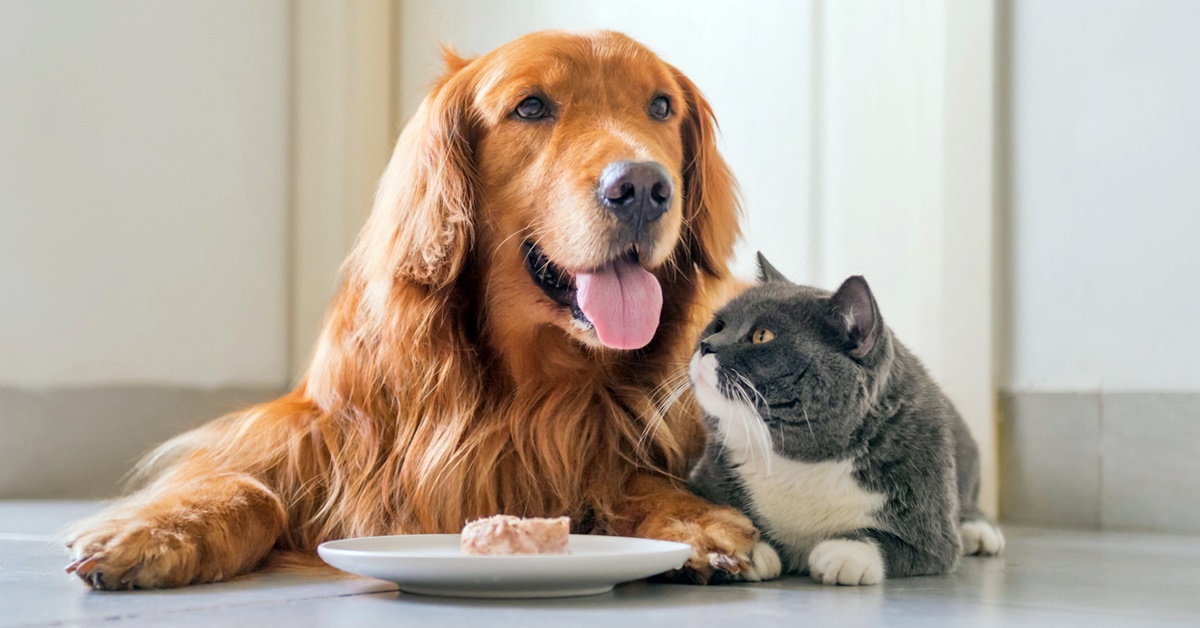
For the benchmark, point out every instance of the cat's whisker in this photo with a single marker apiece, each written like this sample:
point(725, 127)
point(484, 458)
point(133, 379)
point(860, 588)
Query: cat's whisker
point(676, 387)
point(756, 434)
point(664, 390)
point(671, 390)
point(724, 429)
point(764, 440)
point(745, 420)
point(733, 388)
point(668, 389)
point(761, 432)
point(659, 419)
point(754, 389)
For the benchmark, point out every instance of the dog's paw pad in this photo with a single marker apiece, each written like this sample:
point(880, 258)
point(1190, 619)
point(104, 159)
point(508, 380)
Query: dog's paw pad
point(846, 562)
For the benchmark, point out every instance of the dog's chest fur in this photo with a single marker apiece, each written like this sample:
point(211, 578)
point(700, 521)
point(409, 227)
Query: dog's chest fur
point(802, 503)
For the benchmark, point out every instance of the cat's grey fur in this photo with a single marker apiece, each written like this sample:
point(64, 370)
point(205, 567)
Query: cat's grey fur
point(858, 438)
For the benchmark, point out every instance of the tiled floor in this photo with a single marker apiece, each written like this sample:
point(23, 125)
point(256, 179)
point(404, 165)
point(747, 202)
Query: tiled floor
point(1047, 577)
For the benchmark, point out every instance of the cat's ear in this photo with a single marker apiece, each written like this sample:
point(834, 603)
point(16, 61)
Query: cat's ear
point(768, 273)
point(856, 315)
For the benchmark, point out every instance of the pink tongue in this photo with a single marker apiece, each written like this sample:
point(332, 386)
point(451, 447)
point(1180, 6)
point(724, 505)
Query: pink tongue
point(623, 301)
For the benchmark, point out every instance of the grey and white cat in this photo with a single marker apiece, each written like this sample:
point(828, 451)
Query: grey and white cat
point(833, 438)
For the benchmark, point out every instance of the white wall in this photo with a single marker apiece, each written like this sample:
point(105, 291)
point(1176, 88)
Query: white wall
point(143, 192)
point(752, 62)
point(1106, 195)
point(880, 158)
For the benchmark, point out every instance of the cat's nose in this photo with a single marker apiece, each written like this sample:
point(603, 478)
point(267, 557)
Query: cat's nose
point(705, 349)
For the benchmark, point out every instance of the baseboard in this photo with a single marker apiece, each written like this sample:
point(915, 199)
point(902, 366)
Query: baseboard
point(1120, 461)
point(80, 442)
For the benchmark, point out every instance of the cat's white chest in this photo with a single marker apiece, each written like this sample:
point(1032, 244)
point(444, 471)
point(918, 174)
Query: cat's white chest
point(804, 503)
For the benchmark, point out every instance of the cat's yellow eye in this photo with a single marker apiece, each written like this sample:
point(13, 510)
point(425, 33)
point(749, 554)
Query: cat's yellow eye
point(761, 335)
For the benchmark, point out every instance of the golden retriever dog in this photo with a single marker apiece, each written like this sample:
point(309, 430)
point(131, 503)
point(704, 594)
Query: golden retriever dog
point(549, 238)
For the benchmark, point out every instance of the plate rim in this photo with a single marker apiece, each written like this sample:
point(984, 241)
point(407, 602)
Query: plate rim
point(331, 546)
point(445, 571)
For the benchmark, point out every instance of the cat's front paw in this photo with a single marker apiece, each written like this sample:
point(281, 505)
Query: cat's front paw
point(842, 561)
point(764, 564)
point(981, 538)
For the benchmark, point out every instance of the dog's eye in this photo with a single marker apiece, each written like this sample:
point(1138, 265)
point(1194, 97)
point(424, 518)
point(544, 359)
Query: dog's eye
point(761, 335)
point(532, 108)
point(660, 108)
point(718, 325)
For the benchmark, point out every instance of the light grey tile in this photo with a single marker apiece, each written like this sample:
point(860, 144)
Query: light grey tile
point(80, 442)
point(1050, 458)
point(1046, 577)
point(654, 607)
point(1151, 469)
point(34, 590)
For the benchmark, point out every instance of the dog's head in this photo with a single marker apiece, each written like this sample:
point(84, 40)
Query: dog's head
point(576, 175)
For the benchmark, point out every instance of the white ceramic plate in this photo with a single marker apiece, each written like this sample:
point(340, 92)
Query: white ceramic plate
point(431, 564)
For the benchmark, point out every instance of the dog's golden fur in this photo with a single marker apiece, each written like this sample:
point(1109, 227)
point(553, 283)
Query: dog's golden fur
point(446, 385)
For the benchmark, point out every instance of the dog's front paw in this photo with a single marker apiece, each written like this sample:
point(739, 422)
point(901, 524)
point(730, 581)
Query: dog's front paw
point(722, 541)
point(131, 554)
point(847, 562)
point(981, 537)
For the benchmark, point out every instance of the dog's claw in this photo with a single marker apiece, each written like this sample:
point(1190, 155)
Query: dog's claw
point(127, 580)
point(88, 569)
point(85, 565)
point(724, 562)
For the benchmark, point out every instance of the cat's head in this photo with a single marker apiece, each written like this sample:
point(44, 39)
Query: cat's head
point(793, 366)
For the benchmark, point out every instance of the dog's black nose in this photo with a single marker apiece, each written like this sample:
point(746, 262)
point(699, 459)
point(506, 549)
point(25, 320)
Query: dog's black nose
point(705, 349)
point(636, 192)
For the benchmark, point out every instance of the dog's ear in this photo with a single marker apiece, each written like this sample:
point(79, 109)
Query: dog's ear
point(422, 224)
point(710, 197)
